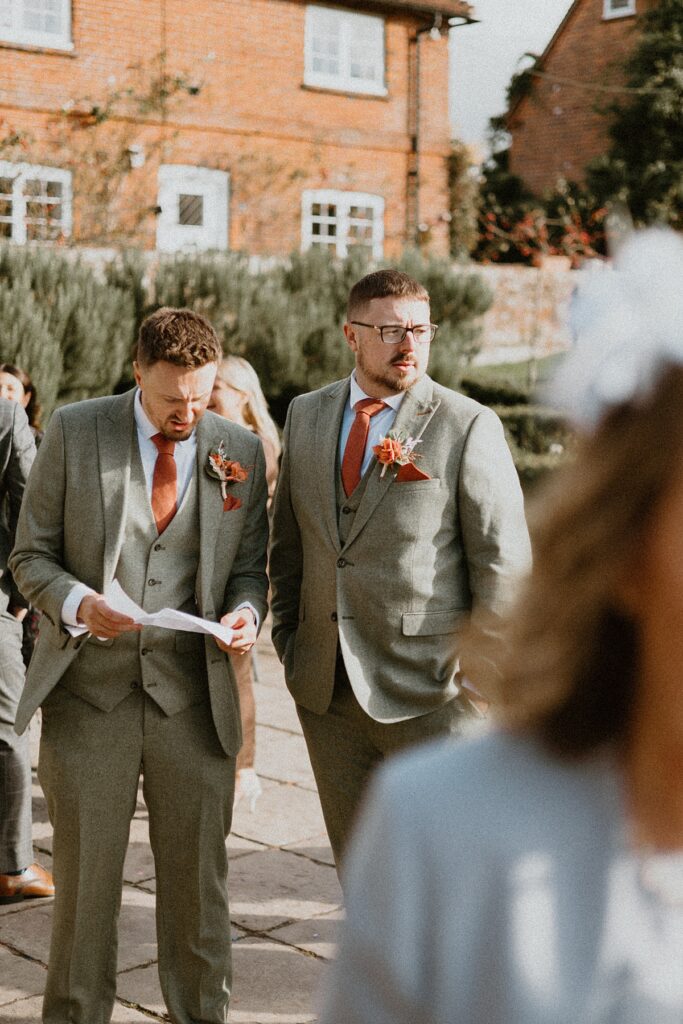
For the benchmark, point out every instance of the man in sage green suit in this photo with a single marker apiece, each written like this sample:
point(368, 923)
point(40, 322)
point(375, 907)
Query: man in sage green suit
point(123, 489)
point(374, 576)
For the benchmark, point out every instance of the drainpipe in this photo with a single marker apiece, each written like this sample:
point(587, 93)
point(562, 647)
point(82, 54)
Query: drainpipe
point(438, 26)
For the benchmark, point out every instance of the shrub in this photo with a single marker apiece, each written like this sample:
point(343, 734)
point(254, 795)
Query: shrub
point(73, 337)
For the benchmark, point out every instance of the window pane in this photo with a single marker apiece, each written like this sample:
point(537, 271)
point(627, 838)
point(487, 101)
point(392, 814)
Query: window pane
point(5, 229)
point(191, 210)
point(43, 16)
point(5, 186)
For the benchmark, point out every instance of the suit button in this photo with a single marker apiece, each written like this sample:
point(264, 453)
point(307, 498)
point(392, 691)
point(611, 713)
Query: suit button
point(153, 583)
point(146, 650)
point(135, 685)
point(159, 547)
point(341, 562)
point(333, 616)
point(346, 510)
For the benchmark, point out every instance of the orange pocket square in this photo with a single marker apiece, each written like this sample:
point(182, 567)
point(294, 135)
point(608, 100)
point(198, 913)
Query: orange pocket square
point(231, 503)
point(409, 471)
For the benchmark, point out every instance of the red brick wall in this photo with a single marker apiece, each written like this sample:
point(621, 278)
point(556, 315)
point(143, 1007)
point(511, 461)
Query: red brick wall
point(555, 130)
point(252, 116)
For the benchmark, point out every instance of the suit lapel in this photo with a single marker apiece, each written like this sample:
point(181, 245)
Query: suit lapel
point(417, 409)
point(330, 412)
point(115, 437)
point(210, 502)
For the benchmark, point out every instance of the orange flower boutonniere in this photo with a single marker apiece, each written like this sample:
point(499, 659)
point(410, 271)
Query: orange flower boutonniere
point(396, 450)
point(228, 471)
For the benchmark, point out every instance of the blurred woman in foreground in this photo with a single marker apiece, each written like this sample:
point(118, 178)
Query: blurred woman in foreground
point(238, 396)
point(536, 876)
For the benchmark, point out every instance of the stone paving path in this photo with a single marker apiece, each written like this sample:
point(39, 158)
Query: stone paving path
point(284, 895)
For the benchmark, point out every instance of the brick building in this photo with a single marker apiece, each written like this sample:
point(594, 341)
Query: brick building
point(263, 125)
point(556, 130)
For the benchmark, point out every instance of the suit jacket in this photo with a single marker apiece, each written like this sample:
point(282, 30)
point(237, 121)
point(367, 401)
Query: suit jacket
point(419, 556)
point(17, 452)
point(71, 530)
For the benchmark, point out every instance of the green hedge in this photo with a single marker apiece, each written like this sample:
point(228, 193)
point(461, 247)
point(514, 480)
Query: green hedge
point(67, 327)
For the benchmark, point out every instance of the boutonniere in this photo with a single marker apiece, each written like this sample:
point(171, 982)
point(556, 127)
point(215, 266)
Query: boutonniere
point(396, 450)
point(228, 471)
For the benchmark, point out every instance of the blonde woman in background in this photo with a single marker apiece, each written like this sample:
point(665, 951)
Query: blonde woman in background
point(237, 395)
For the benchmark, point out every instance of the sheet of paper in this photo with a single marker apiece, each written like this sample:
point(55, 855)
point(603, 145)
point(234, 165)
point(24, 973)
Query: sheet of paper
point(167, 618)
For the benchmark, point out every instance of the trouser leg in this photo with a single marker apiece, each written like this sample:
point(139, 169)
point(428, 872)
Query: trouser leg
point(89, 769)
point(244, 677)
point(16, 851)
point(345, 744)
point(189, 787)
point(342, 757)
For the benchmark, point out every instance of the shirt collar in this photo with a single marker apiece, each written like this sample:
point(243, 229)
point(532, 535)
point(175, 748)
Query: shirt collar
point(357, 395)
point(147, 428)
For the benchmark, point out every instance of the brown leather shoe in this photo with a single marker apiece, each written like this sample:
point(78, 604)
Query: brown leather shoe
point(33, 881)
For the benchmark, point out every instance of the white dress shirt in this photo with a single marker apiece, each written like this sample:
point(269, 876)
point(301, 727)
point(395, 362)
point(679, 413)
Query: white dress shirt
point(185, 457)
point(380, 424)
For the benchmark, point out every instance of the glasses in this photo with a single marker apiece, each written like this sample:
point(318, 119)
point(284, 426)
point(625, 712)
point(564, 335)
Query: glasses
point(394, 334)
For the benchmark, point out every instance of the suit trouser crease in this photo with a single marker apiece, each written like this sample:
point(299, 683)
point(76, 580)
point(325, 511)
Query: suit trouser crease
point(345, 744)
point(90, 765)
point(16, 849)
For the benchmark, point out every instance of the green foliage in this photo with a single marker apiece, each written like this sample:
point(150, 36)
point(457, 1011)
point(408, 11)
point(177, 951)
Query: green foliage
point(286, 318)
point(539, 437)
point(67, 328)
point(509, 384)
point(644, 166)
point(463, 201)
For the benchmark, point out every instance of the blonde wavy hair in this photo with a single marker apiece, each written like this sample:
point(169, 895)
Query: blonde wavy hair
point(240, 375)
point(570, 669)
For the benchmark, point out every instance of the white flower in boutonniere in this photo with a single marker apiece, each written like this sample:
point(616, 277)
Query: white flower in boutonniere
point(396, 450)
point(228, 471)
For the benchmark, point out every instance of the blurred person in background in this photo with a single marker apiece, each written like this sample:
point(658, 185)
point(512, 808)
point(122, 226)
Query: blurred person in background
point(237, 395)
point(17, 386)
point(20, 878)
point(536, 876)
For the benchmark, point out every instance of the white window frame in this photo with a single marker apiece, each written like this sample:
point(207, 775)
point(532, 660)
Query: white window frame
point(343, 202)
point(187, 179)
point(609, 12)
point(346, 20)
point(19, 173)
point(13, 28)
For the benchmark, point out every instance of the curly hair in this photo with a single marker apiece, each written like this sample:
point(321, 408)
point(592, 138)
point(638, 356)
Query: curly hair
point(178, 336)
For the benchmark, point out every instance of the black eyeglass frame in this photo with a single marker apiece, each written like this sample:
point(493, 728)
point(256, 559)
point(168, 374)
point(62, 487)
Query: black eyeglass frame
point(382, 327)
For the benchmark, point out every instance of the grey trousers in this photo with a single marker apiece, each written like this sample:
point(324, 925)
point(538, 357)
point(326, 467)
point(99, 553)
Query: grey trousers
point(16, 851)
point(345, 744)
point(90, 765)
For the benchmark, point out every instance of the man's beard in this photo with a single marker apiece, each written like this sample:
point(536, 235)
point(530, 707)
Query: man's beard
point(396, 382)
point(173, 435)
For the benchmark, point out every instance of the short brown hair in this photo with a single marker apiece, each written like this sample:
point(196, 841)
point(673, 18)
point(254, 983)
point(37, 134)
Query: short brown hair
point(383, 284)
point(571, 672)
point(178, 336)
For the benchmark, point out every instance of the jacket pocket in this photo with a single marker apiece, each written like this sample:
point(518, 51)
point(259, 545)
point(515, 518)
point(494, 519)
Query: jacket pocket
point(432, 623)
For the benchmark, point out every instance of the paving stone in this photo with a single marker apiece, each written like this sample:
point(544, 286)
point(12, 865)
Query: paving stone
point(270, 888)
point(273, 984)
point(30, 932)
point(283, 756)
point(275, 707)
point(284, 814)
point(20, 977)
point(318, 935)
point(28, 1011)
point(318, 849)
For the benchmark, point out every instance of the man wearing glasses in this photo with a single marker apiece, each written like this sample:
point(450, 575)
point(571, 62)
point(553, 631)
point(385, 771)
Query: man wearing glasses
point(398, 512)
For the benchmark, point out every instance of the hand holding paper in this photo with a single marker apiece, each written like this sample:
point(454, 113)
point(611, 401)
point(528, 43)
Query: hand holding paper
point(167, 618)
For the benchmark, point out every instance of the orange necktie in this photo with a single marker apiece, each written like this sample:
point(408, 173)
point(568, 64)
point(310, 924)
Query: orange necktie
point(357, 440)
point(164, 483)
